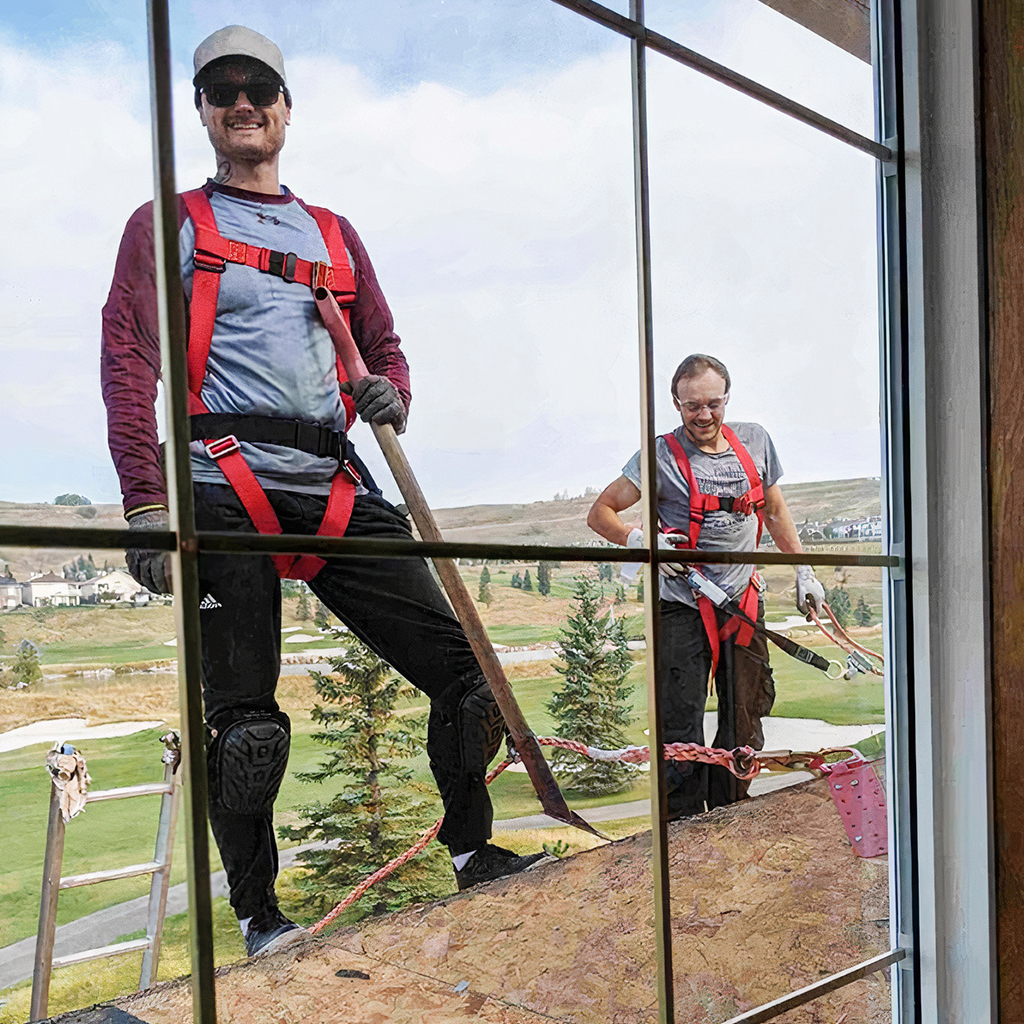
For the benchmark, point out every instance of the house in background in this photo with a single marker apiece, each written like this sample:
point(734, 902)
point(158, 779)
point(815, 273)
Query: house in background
point(116, 585)
point(49, 589)
point(10, 592)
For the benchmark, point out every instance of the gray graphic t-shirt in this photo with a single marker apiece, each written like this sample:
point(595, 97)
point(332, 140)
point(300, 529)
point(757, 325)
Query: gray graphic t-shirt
point(720, 474)
point(271, 354)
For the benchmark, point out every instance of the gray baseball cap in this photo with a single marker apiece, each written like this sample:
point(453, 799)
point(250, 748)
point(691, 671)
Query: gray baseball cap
point(238, 41)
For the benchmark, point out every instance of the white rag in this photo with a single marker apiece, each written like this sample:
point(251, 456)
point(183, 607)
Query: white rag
point(71, 776)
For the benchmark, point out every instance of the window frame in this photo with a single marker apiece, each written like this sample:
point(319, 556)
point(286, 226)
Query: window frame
point(918, 651)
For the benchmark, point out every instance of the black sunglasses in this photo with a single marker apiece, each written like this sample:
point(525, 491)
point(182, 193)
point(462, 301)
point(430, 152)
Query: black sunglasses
point(260, 94)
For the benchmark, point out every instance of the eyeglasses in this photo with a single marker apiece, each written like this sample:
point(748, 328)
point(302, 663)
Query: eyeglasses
point(260, 94)
point(714, 406)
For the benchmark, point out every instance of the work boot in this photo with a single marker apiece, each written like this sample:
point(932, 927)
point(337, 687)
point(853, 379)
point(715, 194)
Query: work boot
point(271, 932)
point(491, 862)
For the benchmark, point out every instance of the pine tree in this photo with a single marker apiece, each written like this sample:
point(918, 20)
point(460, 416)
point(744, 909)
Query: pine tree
point(590, 704)
point(862, 612)
point(544, 578)
point(322, 616)
point(302, 612)
point(640, 588)
point(485, 579)
point(527, 582)
point(620, 594)
point(26, 668)
point(90, 569)
point(839, 601)
point(516, 581)
point(377, 813)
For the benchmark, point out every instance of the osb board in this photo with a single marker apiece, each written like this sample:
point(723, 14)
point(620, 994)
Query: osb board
point(768, 896)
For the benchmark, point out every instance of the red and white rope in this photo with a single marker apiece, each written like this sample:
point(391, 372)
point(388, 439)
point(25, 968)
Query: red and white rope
point(631, 755)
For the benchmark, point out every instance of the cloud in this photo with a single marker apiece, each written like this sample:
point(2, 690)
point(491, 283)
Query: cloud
point(501, 227)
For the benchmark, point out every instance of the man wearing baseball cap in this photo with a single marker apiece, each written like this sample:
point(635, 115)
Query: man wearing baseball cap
point(270, 453)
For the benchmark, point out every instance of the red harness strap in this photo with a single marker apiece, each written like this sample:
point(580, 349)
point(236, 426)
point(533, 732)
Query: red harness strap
point(749, 503)
point(212, 252)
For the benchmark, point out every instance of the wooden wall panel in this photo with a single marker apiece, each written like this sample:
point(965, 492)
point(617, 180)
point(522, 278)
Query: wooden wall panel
point(1002, 85)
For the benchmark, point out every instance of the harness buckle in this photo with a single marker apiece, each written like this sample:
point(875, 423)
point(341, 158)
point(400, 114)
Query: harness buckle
point(282, 264)
point(205, 261)
point(322, 275)
point(222, 446)
point(351, 472)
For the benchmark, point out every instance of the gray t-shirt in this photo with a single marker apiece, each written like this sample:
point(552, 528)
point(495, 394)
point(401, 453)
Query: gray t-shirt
point(720, 474)
point(271, 354)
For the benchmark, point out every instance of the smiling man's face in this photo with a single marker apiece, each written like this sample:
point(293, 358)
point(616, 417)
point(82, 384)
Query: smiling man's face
point(243, 131)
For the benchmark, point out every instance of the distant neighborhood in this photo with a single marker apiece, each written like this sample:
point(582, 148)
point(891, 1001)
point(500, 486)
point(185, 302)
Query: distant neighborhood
point(867, 528)
point(48, 590)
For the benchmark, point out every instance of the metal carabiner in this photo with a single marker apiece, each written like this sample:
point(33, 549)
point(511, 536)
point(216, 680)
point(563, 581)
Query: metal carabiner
point(842, 671)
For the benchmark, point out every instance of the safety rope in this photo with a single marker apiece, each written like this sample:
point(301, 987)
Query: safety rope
point(846, 643)
point(743, 762)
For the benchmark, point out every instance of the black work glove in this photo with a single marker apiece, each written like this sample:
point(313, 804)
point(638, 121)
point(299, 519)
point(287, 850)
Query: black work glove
point(150, 568)
point(378, 402)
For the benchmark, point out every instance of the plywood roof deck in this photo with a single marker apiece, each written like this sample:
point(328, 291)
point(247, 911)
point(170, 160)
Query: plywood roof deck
point(768, 897)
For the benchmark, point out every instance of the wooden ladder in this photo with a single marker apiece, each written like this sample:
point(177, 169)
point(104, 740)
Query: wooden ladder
point(159, 867)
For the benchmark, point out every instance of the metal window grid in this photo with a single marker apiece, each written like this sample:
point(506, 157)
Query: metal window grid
point(184, 542)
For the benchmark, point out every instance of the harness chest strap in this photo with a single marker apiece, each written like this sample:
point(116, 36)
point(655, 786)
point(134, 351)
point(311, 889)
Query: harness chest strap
point(749, 503)
point(212, 251)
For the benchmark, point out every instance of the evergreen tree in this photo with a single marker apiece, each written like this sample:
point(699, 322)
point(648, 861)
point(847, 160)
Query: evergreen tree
point(640, 588)
point(527, 582)
point(839, 601)
point(302, 612)
point(862, 613)
point(544, 578)
point(590, 704)
point(620, 594)
point(71, 499)
point(322, 616)
point(516, 581)
point(604, 572)
point(485, 580)
point(377, 813)
point(3, 635)
point(26, 663)
point(90, 569)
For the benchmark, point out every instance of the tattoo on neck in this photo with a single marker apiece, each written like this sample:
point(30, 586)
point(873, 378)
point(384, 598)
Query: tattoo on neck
point(224, 172)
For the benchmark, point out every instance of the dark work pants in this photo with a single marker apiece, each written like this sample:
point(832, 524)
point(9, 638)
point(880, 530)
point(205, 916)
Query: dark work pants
point(746, 692)
point(392, 604)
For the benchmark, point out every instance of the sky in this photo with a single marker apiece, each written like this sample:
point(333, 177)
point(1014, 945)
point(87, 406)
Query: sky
point(483, 151)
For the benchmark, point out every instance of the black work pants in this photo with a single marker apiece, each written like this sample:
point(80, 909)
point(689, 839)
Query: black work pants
point(746, 692)
point(392, 604)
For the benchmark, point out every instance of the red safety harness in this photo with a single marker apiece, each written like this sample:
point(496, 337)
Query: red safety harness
point(749, 503)
point(212, 253)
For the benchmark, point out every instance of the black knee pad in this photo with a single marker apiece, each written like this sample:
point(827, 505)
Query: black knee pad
point(480, 726)
point(247, 760)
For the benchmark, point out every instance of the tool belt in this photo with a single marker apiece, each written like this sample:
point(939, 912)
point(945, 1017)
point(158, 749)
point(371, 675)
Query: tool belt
point(323, 442)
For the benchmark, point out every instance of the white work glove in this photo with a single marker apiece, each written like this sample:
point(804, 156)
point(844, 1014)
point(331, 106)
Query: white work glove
point(809, 592)
point(636, 540)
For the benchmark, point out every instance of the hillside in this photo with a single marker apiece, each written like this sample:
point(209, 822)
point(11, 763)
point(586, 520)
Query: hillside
point(539, 522)
point(767, 895)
